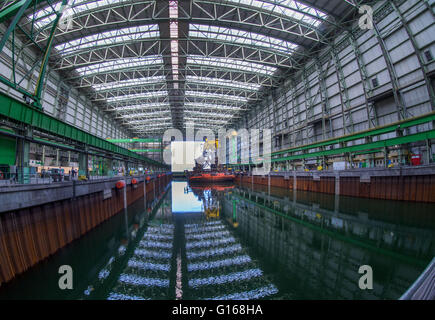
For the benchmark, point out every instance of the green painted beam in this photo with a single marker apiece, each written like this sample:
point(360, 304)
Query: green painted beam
point(39, 83)
point(16, 9)
point(55, 144)
point(12, 9)
point(134, 140)
point(13, 109)
point(363, 134)
point(368, 147)
point(422, 136)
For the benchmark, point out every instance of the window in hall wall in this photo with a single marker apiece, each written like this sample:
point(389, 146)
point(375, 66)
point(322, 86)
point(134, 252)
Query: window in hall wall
point(428, 55)
point(375, 82)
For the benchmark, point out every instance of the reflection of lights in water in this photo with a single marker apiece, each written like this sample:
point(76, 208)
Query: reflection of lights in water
point(120, 296)
point(103, 274)
point(218, 264)
point(207, 235)
point(201, 229)
point(157, 237)
point(148, 265)
point(209, 243)
point(121, 250)
point(194, 225)
point(152, 254)
point(178, 283)
point(249, 295)
point(236, 276)
point(163, 226)
point(214, 252)
point(142, 281)
point(150, 244)
point(159, 230)
point(89, 290)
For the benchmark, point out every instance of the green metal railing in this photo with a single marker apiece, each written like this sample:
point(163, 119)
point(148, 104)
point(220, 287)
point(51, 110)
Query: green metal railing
point(367, 146)
point(328, 147)
point(364, 134)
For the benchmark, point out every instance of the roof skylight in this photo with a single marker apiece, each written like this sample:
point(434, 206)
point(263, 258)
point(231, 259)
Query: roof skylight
point(241, 37)
point(45, 16)
point(143, 106)
point(204, 120)
point(289, 8)
point(211, 106)
point(149, 120)
point(109, 38)
point(145, 114)
point(118, 64)
point(128, 83)
point(228, 63)
point(138, 96)
point(223, 82)
point(207, 114)
point(200, 94)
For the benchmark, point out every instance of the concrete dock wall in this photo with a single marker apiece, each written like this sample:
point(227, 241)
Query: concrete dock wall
point(61, 214)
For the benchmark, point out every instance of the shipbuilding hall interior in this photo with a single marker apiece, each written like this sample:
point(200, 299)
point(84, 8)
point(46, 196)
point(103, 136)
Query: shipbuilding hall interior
point(217, 149)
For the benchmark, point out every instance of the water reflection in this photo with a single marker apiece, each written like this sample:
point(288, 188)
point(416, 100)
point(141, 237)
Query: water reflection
point(183, 200)
point(191, 255)
point(219, 267)
point(243, 242)
point(146, 275)
point(314, 250)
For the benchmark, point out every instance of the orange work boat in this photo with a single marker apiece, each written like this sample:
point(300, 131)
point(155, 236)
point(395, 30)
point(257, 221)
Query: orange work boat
point(211, 177)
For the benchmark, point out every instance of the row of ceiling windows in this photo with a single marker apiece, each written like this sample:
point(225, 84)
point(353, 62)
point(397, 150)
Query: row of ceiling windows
point(143, 115)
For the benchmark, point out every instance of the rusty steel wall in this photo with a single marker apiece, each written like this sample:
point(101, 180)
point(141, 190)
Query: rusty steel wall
point(419, 188)
point(406, 188)
point(30, 235)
